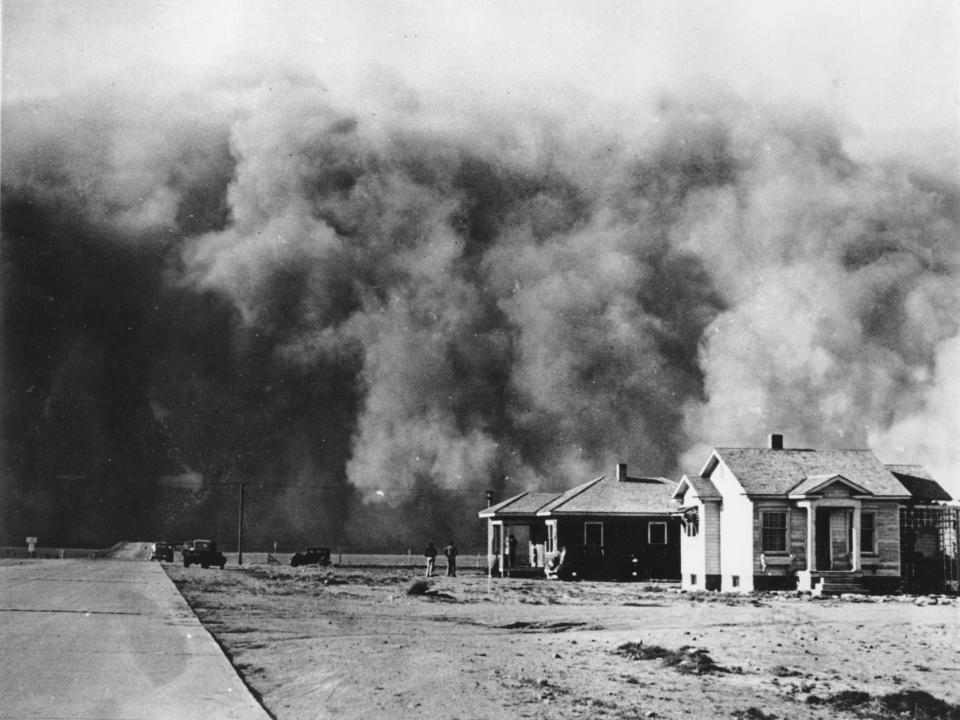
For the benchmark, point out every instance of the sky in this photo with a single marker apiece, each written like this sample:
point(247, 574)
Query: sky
point(433, 246)
point(887, 70)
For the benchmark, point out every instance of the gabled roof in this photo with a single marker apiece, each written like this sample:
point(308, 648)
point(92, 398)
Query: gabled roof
point(703, 487)
point(764, 471)
point(816, 484)
point(526, 503)
point(610, 496)
point(919, 483)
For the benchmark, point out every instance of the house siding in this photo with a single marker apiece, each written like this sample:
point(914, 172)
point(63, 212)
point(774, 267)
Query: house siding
point(693, 549)
point(736, 533)
point(798, 538)
point(793, 542)
point(887, 560)
point(623, 536)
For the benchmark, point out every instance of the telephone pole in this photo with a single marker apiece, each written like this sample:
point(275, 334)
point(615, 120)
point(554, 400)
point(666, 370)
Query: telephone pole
point(240, 528)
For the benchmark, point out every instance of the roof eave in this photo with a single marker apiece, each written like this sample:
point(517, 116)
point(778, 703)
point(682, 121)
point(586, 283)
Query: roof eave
point(607, 513)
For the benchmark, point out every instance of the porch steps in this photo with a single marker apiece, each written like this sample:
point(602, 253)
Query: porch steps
point(838, 583)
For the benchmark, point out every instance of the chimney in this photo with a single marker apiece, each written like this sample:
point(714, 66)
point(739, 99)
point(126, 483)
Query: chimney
point(621, 472)
point(776, 441)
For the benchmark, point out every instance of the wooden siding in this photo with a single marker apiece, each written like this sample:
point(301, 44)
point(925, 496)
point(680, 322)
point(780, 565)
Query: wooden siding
point(692, 550)
point(623, 536)
point(887, 559)
point(700, 555)
point(798, 538)
point(793, 541)
point(710, 532)
point(736, 536)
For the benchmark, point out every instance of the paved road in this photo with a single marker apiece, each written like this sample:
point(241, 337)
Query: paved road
point(109, 640)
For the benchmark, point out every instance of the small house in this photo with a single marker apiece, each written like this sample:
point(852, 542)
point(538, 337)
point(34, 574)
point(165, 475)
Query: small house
point(625, 517)
point(778, 518)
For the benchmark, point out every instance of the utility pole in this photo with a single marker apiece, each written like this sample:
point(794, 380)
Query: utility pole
point(240, 528)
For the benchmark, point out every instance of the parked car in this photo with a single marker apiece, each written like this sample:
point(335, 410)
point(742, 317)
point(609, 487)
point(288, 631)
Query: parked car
point(579, 562)
point(311, 556)
point(203, 553)
point(162, 551)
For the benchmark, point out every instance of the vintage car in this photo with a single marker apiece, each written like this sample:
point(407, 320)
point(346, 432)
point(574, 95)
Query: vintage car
point(203, 553)
point(579, 562)
point(162, 551)
point(311, 556)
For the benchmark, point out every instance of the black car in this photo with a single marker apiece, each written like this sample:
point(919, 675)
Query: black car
point(203, 553)
point(579, 562)
point(162, 551)
point(311, 556)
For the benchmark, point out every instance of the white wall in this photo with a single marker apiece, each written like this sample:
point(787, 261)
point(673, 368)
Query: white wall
point(736, 531)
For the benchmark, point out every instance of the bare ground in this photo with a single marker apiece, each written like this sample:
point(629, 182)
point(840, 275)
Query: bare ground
point(349, 643)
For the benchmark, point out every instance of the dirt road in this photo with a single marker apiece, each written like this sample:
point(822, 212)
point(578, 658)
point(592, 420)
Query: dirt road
point(355, 644)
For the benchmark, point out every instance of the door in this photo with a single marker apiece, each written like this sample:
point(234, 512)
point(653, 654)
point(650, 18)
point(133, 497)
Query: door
point(841, 529)
point(823, 539)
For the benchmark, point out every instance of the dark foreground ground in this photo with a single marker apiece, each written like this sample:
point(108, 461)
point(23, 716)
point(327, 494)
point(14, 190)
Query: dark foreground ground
point(355, 643)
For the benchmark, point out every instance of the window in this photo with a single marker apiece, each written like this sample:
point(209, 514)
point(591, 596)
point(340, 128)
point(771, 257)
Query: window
point(735, 581)
point(693, 579)
point(657, 533)
point(593, 534)
point(868, 532)
point(773, 533)
point(691, 522)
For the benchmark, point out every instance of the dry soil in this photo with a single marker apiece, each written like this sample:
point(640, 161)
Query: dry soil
point(353, 643)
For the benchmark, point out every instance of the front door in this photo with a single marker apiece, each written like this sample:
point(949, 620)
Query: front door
point(823, 539)
point(840, 531)
point(834, 530)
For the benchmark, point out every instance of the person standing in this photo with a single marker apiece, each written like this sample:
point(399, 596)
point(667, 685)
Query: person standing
point(431, 555)
point(450, 552)
point(511, 551)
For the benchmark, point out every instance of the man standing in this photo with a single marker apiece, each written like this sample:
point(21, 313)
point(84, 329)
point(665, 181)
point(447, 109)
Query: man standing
point(450, 552)
point(431, 555)
point(511, 551)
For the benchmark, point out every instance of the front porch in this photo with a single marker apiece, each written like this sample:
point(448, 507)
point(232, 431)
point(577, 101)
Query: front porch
point(837, 546)
point(518, 547)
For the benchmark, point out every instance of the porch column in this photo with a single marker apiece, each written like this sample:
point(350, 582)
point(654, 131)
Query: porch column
point(490, 524)
point(811, 534)
point(855, 539)
point(502, 551)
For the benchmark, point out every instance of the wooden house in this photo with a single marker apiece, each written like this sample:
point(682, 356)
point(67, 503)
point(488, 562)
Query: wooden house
point(624, 516)
point(776, 518)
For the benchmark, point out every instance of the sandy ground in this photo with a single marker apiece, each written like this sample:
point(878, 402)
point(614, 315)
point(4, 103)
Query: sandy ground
point(346, 643)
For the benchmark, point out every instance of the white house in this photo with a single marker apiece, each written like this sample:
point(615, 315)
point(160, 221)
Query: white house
point(777, 518)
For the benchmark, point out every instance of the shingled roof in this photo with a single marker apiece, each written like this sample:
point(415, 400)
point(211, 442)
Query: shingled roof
point(763, 471)
point(703, 487)
point(919, 483)
point(612, 496)
point(526, 503)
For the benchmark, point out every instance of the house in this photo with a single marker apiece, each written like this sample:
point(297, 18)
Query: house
point(625, 516)
point(778, 518)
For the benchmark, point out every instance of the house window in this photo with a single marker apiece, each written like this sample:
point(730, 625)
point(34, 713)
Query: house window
point(868, 532)
point(691, 521)
point(593, 534)
point(693, 579)
point(773, 533)
point(657, 533)
point(735, 581)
